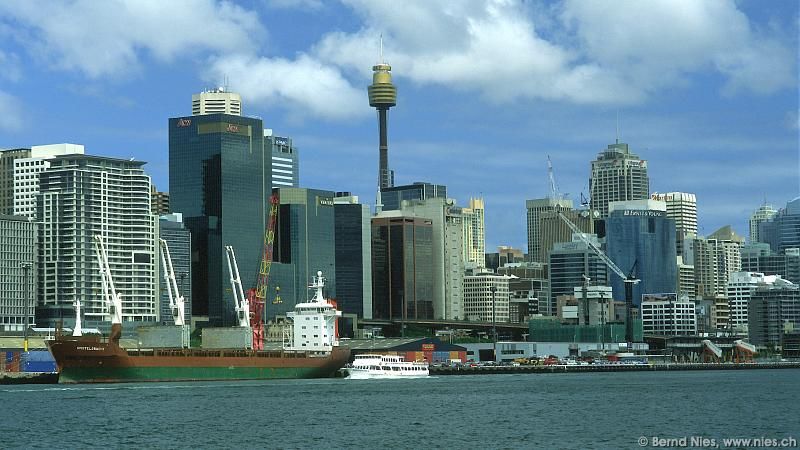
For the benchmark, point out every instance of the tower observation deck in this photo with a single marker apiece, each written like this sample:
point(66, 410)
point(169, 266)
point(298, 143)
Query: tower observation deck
point(382, 96)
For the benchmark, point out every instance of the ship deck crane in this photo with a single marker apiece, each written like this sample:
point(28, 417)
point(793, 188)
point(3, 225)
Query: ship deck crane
point(629, 278)
point(112, 297)
point(241, 303)
point(176, 301)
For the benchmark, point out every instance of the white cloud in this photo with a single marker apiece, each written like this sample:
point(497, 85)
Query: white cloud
point(654, 44)
point(304, 85)
point(10, 112)
point(590, 52)
point(107, 38)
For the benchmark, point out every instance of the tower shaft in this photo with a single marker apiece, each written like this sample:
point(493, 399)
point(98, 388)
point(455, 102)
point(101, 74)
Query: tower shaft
point(384, 175)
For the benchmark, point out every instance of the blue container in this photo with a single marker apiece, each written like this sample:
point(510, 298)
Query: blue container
point(39, 355)
point(39, 366)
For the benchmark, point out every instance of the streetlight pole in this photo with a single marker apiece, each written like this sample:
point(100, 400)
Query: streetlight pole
point(26, 267)
point(493, 289)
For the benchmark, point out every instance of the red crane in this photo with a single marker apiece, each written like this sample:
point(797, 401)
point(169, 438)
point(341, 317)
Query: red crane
point(257, 295)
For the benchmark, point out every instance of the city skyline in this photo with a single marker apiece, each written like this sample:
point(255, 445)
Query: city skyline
point(705, 92)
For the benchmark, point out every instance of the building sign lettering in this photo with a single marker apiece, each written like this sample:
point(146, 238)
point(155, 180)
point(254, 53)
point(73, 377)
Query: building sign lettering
point(232, 128)
point(325, 201)
point(643, 213)
point(184, 122)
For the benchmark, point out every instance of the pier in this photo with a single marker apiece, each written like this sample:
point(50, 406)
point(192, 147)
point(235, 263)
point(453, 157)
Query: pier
point(561, 368)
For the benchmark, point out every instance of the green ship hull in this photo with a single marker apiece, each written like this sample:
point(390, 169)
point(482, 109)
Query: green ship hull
point(154, 374)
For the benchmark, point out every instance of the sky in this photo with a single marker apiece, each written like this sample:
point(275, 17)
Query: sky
point(706, 91)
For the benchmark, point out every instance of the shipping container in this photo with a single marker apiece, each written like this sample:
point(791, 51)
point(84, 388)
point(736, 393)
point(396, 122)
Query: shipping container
point(38, 355)
point(39, 366)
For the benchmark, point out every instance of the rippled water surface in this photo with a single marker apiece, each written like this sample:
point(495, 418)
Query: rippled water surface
point(588, 410)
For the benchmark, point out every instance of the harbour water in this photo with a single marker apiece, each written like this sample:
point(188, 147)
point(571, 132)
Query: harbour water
point(580, 410)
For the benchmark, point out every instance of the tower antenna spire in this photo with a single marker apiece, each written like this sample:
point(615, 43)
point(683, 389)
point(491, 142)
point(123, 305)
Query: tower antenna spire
point(617, 126)
point(381, 46)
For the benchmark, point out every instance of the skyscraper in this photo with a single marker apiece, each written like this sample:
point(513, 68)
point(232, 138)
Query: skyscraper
point(682, 208)
point(353, 255)
point(7, 159)
point(757, 257)
point(81, 196)
point(159, 201)
point(474, 234)
point(18, 237)
point(764, 213)
point(617, 175)
point(783, 230)
point(305, 243)
point(402, 270)
point(392, 197)
point(567, 264)
point(447, 251)
point(285, 160)
point(715, 258)
point(26, 174)
point(639, 233)
point(535, 209)
point(216, 101)
point(553, 229)
point(219, 179)
point(382, 96)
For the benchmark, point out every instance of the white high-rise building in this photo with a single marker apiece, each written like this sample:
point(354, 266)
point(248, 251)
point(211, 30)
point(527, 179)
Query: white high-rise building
point(681, 207)
point(480, 304)
point(664, 315)
point(26, 174)
point(715, 258)
point(216, 101)
point(535, 209)
point(82, 196)
point(740, 288)
point(764, 213)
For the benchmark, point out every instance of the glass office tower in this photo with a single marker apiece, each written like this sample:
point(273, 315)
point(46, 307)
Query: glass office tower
point(219, 179)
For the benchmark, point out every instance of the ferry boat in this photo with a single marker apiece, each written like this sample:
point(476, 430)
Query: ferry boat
point(306, 354)
point(385, 366)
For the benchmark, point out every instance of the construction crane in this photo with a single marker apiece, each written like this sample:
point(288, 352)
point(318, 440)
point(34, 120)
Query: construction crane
point(112, 298)
point(257, 296)
point(176, 302)
point(629, 279)
point(241, 304)
point(554, 194)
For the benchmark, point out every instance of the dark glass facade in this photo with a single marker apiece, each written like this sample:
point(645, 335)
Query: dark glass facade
point(220, 181)
point(350, 259)
point(568, 263)
point(304, 244)
point(402, 268)
point(392, 197)
point(646, 238)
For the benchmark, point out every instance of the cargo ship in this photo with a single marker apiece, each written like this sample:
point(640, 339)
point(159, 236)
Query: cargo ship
point(304, 354)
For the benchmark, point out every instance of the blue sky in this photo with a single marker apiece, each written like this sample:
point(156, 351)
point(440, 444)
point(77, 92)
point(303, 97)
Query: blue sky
point(706, 91)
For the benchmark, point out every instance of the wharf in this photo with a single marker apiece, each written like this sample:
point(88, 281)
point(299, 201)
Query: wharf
point(28, 377)
point(485, 370)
